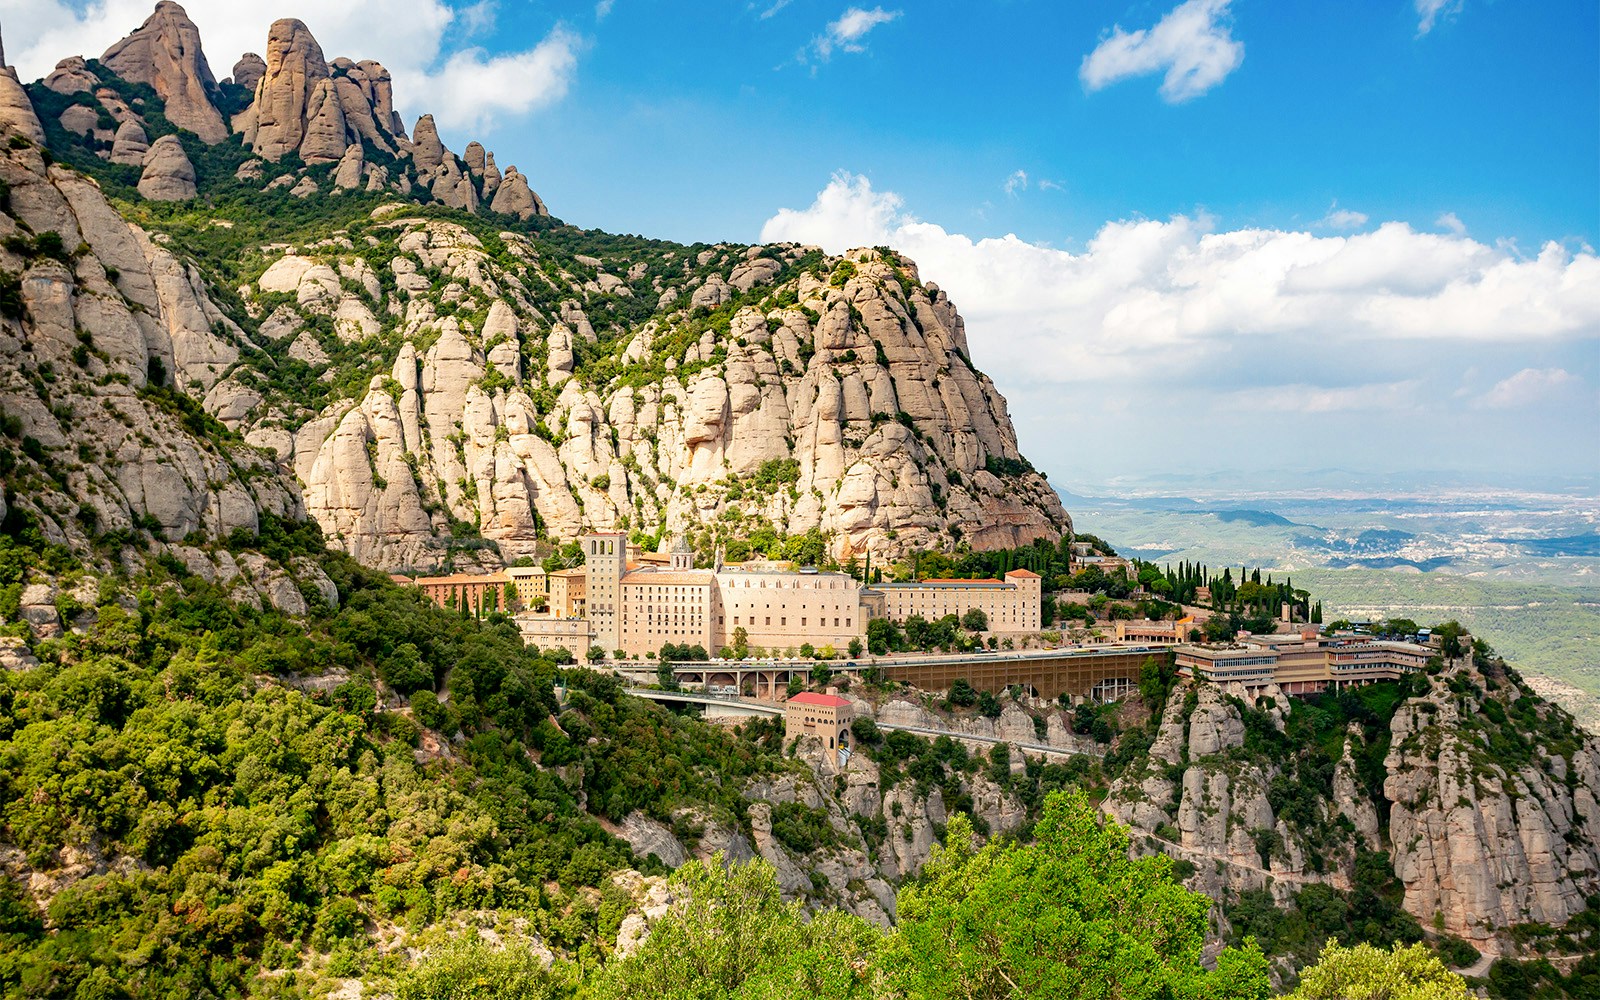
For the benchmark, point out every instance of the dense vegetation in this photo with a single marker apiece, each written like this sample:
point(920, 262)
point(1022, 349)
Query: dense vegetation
point(1068, 915)
point(234, 815)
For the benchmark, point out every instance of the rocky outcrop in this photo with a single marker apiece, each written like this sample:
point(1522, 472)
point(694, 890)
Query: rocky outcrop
point(71, 76)
point(168, 174)
point(130, 145)
point(1198, 796)
point(249, 70)
point(16, 110)
point(165, 53)
point(862, 384)
point(115, 459)
point(301, 104)
point(1483, 843)
point(514, 197)
point(275, 123)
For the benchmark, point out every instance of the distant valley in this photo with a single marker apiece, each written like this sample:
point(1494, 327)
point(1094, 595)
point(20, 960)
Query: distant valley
point(1521, 568)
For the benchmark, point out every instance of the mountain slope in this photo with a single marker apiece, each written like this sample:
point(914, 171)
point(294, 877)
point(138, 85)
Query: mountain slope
point(451, 390)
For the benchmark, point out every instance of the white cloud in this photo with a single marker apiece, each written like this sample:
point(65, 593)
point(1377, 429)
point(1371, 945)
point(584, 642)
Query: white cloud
point(1430, 12)
point(1192, 44)
point(1388, 397)
point(1152, 297)
point(478, 19)
point(602, 10)
point(1530, 386)
point(849, 32)
point(1046, 184)
point(418, 40)
point(1018, 181)
point(776, 6)
point(1451, 222)
point(1342, 218)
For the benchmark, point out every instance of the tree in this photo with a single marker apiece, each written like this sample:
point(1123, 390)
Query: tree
point(961, 693)
point(469, 969)
point(732, 937)
point(1070, 915)
point(854, 648)
point(821, 674)
point(741, 643)
point(1449, 635)
point(883, 636)
point(596, 653)
point(1368, 973)
point(975, 620)
point(988, 704)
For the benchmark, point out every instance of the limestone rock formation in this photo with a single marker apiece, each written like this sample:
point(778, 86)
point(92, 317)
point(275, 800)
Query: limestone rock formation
point(275, 123)
point(130, 145)
point(144, 467)
point(165, 53)
point(514, 197)
point(168, 174)
point(79, 120)
point(494, 422)
point(301, 103)
point(249, 70)
point(1483, 843)
point(16, 110)
point(71, 76)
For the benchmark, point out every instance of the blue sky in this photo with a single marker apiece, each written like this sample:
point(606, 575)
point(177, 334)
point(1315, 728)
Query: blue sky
point(707, 121)
point(1265, 236)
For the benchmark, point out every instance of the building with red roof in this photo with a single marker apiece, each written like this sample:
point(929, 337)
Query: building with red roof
point(825, 716)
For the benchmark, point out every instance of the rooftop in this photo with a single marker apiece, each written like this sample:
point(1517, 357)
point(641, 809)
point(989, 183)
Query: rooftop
point(825, 700)
point(464, 578)
point(669, 578)
point(942, 583)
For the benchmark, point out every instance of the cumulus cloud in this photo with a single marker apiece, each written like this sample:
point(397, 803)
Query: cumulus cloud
point(1342, 218)
point(420, 41)
point(1431, 12)
point(1529, 387)
point(849, 32)
point(1149, 296)
point(1274, 345)
point(1192, 44)
point(1451, 222)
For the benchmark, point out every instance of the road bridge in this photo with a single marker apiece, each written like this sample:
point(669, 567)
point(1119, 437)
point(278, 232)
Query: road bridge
point(1098, 673)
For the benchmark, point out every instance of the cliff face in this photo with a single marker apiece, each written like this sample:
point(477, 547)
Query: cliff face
point(1481, 838)
point(93, 341)
point(1485, 801)
point(843, 867)
point(103, 452)
point(769, 387)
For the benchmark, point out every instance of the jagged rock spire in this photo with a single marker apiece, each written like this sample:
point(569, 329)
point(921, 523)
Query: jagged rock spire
point(165, 53)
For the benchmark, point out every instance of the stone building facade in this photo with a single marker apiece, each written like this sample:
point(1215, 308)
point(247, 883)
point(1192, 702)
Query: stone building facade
point(1011, 605)
point(825, 716)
